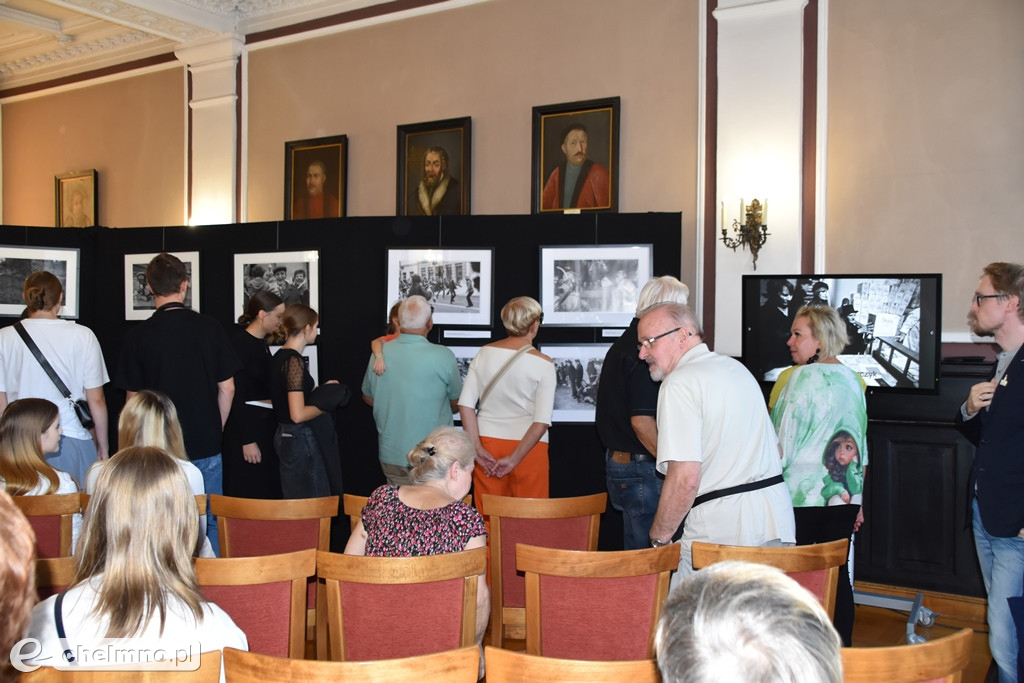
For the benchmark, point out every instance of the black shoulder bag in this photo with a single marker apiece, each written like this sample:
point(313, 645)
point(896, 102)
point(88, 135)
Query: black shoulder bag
point(81, 406)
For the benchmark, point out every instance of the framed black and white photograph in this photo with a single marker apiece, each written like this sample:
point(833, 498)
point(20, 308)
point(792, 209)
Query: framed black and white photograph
point(456, 282)
point(139, 302)
point(577, 371)
point(292, 275)
point(593, 285)
point(464, 355)
point(17, 263)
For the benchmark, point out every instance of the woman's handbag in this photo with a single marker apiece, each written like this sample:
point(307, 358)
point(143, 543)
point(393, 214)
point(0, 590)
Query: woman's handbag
point(80, 406)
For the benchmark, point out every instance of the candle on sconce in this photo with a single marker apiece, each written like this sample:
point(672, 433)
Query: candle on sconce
point(764, 212)
point(723, 218)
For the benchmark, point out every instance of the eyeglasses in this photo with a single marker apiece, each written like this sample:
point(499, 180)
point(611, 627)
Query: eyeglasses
point(649, 343)
point(978, 298)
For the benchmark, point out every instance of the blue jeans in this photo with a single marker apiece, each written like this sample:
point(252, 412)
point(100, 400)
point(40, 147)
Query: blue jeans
point(303, 472)
point(212, 470)
point(635, 490)
point(1002, 569)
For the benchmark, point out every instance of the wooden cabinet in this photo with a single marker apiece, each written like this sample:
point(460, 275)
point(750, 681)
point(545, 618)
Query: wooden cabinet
point(916, 531)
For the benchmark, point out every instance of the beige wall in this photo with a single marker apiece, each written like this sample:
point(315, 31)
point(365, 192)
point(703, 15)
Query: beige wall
point(131, 131)
point(494, 62)
point(925, 139)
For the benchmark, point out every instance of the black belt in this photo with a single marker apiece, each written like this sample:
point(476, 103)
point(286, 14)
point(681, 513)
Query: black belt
point(731, 491)
point(625, 457)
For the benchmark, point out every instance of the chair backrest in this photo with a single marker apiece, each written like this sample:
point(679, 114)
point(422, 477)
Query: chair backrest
point(265, 596)
point(568, 523)
point(507, 666)
point(353, 506)
point(200, 502)
point(248, 526)
point(208, 672)
point(53, 574)
point(388, 607)
point(50, 517)
point(938, 660)
point(594, 605)
point(456, 666)
point(815, 567)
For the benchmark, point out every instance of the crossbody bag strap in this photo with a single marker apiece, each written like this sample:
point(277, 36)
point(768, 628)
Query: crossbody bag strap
point(58, 620)
point(498, 375)
point(23, 333)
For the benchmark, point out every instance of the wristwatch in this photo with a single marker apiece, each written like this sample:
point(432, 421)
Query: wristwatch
point(655, 543)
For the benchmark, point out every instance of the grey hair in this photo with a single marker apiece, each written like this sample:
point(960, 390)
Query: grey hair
point(737, 621)
point(827, 327)
point(433, 457)
point(681, 315)
point(414, 313)
point(663, 289)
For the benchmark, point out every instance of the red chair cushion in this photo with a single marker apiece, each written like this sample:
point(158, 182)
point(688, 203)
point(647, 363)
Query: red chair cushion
point(570, 533)
point(262, 611)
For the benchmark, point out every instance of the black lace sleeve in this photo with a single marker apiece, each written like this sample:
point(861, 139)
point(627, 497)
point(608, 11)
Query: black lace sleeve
point(294, 373)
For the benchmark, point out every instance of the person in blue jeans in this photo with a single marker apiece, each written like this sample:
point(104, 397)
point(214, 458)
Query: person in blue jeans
point(627, 403)
point(992, 418)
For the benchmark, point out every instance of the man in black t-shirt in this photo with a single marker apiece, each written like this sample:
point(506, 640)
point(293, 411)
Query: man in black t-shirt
point(186, 356)
point(627, 403)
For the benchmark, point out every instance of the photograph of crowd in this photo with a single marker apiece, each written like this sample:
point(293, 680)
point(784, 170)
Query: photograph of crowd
point(139, 302)
point(577, 372)
point(592, 285)
point(293, 276)
point(17, 263)
point(456, 282)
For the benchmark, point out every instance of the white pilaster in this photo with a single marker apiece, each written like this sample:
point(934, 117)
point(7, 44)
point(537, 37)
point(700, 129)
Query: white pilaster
point(214, 134)
point(760, 136)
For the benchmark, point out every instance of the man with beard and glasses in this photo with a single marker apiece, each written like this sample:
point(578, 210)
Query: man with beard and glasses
point(716, 444)
point(316, 203)
point(992, 418)
point(438, 193)
point(577, 182)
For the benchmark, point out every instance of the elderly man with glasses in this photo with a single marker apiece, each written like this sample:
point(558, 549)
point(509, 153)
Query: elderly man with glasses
point(716, 444)
point(992, 418)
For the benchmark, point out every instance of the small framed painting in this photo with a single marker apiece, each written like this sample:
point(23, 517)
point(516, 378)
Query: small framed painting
point(457, 282)
point(315, 175)
point(292, 275)
point(593, 285)
point(139, 302)
point(433, 168)
point(17, 263)
point(76, 199)
point(577, 374)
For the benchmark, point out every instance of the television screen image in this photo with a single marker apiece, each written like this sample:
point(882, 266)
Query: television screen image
point(892, 321)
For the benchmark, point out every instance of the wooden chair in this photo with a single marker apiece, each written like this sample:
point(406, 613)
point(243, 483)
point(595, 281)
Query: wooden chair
point(567, 523)
point(456, 666)
point(353, 507)
point(249, 527)
point(200, 502)
point(507, 666)
point(50, 517)
point(938, 660)
point(208, 672)
point(594, 605)
point(265, 596)
point(53, 574)
point(815, 567)
point(388, 607)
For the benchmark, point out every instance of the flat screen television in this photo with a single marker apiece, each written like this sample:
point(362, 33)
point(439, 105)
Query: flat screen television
point(893, 322)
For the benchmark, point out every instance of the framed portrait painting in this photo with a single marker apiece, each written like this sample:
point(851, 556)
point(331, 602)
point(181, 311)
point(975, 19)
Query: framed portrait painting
point(75, 194)
point(434, 168)
point(139, 302)
point(593, 285)
point(577, 374)
point(576, 156)
point(17, 263)
point(292, 275)
point(457, 282)
point(315, 177)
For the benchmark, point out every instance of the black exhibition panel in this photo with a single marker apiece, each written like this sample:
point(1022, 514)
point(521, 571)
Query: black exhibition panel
point(353, 300)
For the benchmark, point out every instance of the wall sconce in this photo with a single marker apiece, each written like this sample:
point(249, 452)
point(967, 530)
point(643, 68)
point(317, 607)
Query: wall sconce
point(753, 232)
